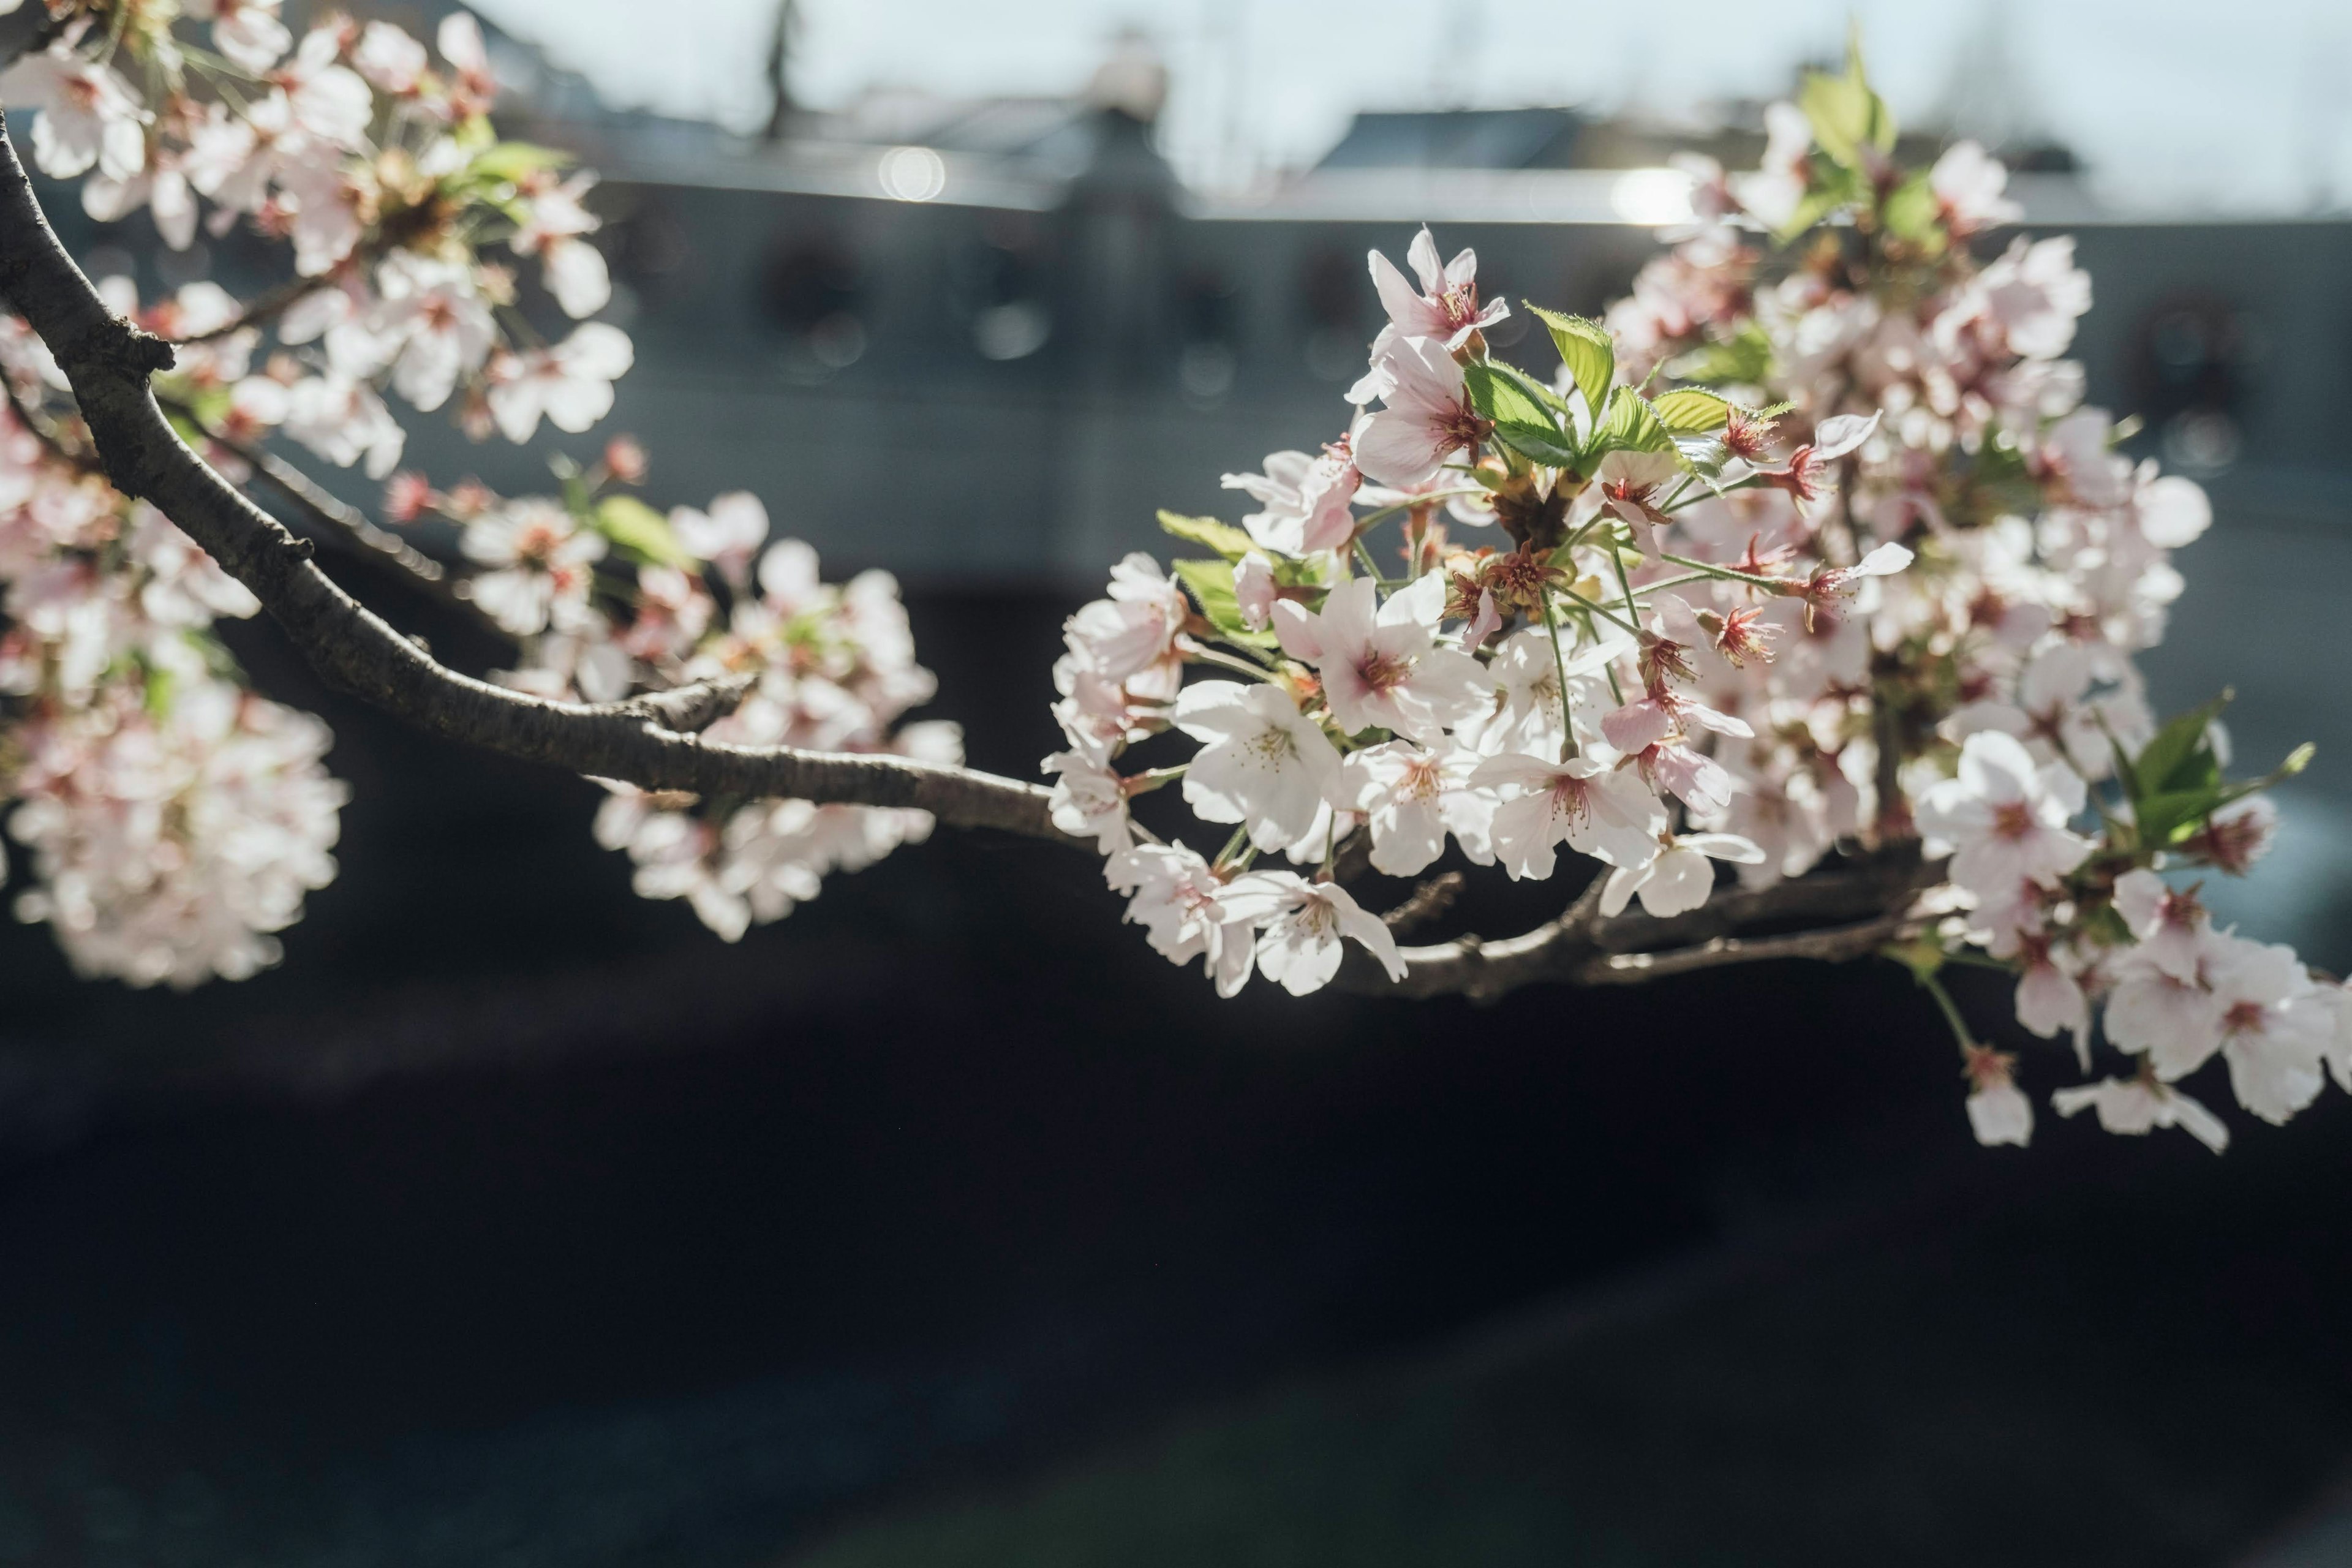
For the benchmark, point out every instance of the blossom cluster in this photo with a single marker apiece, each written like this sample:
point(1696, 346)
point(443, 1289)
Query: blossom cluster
point(1811, 547)
point(605, 596)
point(175, 819)
point(379, 167)
point(1511, 698)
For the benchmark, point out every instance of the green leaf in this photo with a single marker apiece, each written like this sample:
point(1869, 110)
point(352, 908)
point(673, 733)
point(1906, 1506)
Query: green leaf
point(161, 687)
point(1521, 413)
point(1841, 189)
point(510, 161)
point(1631, 425)
point(1914, 212)
point(2169, 818)
point(1846, 116)
point(1501, 397)
point(641, 532)
point(1211, 583)
point(1209, 533)
point(1587, 350)
point(2181, 758)
point(474, 134)
point(1704, 457)
point(1745, 359)
point(1691, 411)
point(1543, 443)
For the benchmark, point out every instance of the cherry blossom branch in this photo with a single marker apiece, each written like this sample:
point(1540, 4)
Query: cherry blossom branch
point(1865, 900)
point(655, 741)
point(107, 361)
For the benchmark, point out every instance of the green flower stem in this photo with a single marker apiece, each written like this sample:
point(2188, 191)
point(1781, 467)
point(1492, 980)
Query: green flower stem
point(1601, 610)
point(1560, 664)
point(1728, 574)
point(1950, 1010)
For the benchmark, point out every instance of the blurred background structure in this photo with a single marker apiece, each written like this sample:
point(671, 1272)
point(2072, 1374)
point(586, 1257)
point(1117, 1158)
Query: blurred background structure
point(515, 1220)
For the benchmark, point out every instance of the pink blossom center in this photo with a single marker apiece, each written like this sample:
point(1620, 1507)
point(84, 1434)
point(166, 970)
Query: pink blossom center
point(1382, 672)
point(2243, 1018)
point(1461, 426)
point(537, 540)
point(2012, 820)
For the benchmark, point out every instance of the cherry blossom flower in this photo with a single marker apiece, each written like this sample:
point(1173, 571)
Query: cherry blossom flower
point(2173, 1020)
point(1180, 904)
point(1525, 676)
point(2004, 820)
point(1968, 183)
point(2035, 293)
point(1999, 1111)
point(1426, 420)
point(1265, 765)
point(1136, 627)
point(390, 59)
point(1089, 796)
point(571, 383)
point(459, 40)
point(246, 31)
point(2049, 996)
point(162, 187)
point(541, 558)
point(2169, 923)
point(1446, 310)
point(1678, 878)
point(553, 223)
point(326, 100)
point(728, 534)
point(2138, 1105)
point(2274, 1036)
point(430, 326)
point(1255, 590)
point(1303, 501)
point(324, 200)
point(344, 421)
point(1304, 921)
point(1806, 475)
point(1380, 663)
point(2075, 702)
point(1598, 809)
point(89, 116)
point(1412, 797)
point(1633, 487)
point(2237, 836)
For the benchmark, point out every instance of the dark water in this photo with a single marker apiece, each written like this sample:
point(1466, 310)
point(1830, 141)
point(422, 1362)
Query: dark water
point(517, 1220)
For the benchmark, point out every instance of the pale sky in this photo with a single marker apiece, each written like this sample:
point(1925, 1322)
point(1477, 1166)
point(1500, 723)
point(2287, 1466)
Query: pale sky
point(2179, 105)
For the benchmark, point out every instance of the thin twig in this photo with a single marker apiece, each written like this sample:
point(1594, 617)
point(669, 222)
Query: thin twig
point(339, 519)
point(264, 309)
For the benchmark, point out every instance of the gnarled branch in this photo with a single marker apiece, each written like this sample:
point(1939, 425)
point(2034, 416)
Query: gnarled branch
point(108, 361)
point(1846, 910)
